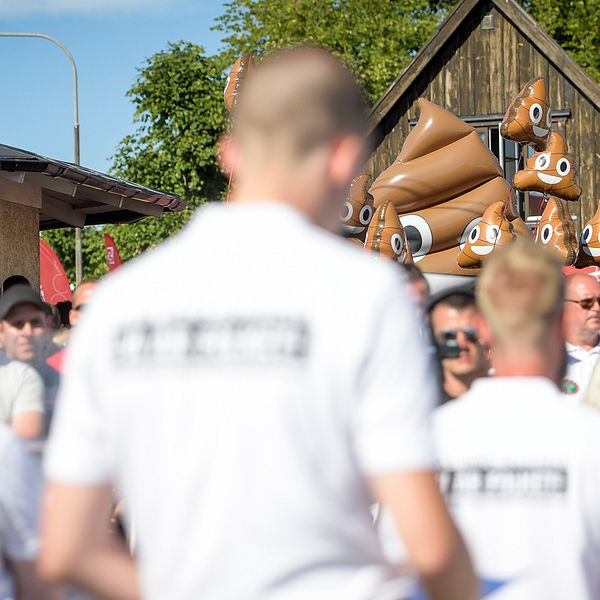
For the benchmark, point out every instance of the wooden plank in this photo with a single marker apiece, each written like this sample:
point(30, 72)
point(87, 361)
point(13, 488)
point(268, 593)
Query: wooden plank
point(480, 72)
point(585, 158)
point(496, 64)
point(511, 72)
point(26, 194)
point(466, 100)
point(451, 82)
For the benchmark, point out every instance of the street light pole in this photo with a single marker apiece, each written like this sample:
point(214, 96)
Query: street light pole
point(78, 253)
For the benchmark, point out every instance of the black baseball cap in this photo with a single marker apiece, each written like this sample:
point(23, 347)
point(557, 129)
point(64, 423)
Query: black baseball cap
point(467, 290)
point(19, 294)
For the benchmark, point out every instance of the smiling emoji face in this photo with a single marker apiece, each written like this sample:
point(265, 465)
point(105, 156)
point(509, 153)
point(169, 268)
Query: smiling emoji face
point(491, 232)
point(589, 243)
point(557, 231)
point(386, 236)
point(551, 171)
point(527, 119)
point(358, 209)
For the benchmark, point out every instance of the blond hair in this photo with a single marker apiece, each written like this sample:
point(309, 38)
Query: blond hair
point(521, 293)
point(296, 100)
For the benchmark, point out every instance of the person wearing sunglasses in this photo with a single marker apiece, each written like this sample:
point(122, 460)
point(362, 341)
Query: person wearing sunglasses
point(81, 297)
point(463, 358)
point(581, 323)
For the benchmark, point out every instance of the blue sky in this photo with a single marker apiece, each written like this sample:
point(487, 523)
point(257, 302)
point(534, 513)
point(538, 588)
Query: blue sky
point(109, 40)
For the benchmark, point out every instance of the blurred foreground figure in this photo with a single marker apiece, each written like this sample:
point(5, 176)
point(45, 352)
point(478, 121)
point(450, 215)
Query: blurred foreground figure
point(582, 332)
point(519, 464)
point(249, 419)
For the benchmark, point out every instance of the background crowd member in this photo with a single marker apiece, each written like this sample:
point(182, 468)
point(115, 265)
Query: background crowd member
point(418, 285)
point(519, 464)
point(453, 316)
point(19, 508)
point(582, 332)
point(274, 383)
point(24, 337)
point(81, 297)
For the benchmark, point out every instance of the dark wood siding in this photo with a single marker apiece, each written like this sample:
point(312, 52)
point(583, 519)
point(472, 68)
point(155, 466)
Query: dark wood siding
point(479, 72)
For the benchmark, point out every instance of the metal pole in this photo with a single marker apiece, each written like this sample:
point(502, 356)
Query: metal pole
point(78, 252)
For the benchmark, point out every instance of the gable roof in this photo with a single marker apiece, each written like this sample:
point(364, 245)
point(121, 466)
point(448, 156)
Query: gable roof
point(522, 21)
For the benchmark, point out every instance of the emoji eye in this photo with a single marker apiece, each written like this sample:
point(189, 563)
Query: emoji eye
point(396, 243)
point(418, 234)
point(563, 166)
point(547, 231)
point(542, 161)
point(492, 235)
point(536, 113)
point(474, 235)
point(587, 234)
point(366, 214)
point(467, 230)
point(346, 212)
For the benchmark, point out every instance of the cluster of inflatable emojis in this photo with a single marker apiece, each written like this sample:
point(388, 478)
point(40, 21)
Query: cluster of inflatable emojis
point(452, 203)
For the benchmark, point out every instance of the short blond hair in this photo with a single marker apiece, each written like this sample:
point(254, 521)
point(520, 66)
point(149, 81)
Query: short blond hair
point(521, 293)
point(297, 99)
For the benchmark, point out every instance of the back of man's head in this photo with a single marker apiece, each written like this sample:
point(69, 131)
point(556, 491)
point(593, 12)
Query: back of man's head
point(520, 293)
point(296, 100)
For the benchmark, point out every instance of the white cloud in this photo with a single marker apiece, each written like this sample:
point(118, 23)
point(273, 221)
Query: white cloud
point(32, 7)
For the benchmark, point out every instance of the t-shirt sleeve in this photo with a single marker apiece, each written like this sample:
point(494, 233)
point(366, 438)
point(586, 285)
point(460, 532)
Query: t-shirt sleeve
point(395, 390)
point(29, 389)
point(19, 501)
point(79, 450)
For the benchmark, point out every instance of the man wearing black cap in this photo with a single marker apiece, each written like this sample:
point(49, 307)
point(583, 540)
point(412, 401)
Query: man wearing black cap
point(463, 358)
point(23, 335)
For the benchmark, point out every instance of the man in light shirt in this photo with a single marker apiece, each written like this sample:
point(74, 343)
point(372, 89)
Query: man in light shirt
point(249, 419)
point(582, 332)
point(519, 464)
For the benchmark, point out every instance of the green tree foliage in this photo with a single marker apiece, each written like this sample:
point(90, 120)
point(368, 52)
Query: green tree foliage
point(575, 25)
point(376, 39)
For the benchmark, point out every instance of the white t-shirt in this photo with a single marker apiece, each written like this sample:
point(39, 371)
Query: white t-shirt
point(239, 385)
point(520, 469)
point(580, 365)
point(21, 389)
point(20, 480)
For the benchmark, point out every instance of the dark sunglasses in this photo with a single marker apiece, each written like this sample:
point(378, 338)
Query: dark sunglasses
point(586, 303)
point(451, 334)
point(35, 323)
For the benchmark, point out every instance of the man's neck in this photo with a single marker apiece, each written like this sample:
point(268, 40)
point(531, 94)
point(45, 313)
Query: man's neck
point(456, 386)
point(586, 342)
point(532, 366)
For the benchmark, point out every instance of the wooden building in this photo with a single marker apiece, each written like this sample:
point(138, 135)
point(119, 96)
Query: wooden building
point(474, 66)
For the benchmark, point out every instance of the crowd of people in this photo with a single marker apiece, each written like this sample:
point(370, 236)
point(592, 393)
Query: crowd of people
point(292, 419)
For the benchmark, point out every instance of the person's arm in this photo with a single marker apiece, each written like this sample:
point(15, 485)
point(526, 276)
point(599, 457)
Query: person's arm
point(78, 546)
point(28, 584)
point(28, 425)
point(435, 547)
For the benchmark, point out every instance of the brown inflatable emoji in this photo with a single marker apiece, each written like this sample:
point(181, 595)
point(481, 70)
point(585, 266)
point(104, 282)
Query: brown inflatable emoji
point(358, 209)
point(511, 214)
point(386, 236)
point(589, 242)
point(527, 119)
point(490, 233)
point(551, 171)
point(557, 231)
point(442, 158)
point(242, 66)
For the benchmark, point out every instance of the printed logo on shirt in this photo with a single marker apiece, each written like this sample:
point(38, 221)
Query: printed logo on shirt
point(243, 341)
point(569, 387)
point(533, 482)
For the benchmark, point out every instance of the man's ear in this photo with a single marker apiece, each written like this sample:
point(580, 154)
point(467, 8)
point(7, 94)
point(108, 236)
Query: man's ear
point(346, 156)
point(228, 154)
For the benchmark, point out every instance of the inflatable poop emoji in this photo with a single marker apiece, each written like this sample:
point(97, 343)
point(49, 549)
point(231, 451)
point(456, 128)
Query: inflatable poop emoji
point(491, 232)
point(242, 66)
point(557, 231)
point(358, 209)
point(386, 236)
point(511, 214)
point(527, 119)
point(551, 171)
point(442, 158)
point(589, 242)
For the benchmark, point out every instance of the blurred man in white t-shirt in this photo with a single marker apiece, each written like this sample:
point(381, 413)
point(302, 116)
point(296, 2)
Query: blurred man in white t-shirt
point(250, 415)
point(519, 464)
point(582, 332)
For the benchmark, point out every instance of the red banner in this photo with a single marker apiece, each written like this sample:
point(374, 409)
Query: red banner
point(54, 285)
point(112, 254)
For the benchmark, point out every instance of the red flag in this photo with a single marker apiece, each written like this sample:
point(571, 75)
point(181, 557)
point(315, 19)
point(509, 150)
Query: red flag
point(54, 285)
point(112, 254)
